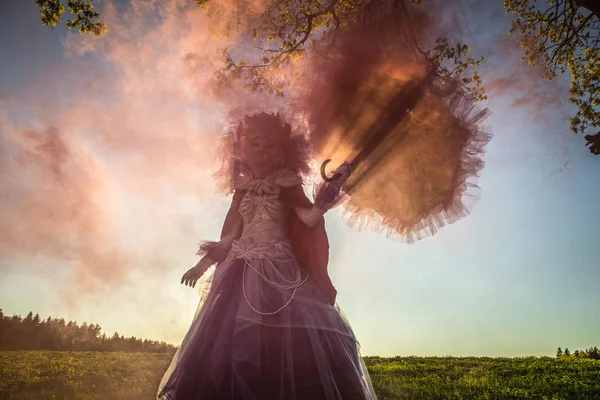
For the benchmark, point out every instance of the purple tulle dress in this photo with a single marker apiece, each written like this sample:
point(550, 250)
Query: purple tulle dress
point(263, 329)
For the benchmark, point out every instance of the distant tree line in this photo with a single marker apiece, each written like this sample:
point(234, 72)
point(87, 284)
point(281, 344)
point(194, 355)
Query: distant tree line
point(591, 353)
point(33, 333)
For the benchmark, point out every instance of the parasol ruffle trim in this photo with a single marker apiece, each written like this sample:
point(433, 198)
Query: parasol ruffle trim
point(471, 164)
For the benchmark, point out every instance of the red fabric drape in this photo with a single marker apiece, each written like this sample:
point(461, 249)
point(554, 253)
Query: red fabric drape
point(310, 243)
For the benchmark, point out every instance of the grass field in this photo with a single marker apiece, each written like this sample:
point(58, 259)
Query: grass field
point(135, 376)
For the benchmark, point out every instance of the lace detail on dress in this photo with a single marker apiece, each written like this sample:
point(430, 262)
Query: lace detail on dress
point(261, 200)
point(280, 177)
point(278, 250)
point(265, 259)
point(266, 206)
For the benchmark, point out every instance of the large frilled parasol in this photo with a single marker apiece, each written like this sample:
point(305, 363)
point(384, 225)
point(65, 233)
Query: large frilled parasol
point(413, 143)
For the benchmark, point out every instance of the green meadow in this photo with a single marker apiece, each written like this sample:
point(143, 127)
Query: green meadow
point(120, 376)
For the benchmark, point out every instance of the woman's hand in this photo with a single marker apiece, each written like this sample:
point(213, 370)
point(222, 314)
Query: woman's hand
point(193, 274)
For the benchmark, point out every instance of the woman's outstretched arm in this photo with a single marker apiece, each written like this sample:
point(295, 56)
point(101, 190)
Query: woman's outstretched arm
point(328, 195)
point(215, 252)
point(232, 229)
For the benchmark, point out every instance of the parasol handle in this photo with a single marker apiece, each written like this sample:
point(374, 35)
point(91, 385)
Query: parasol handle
point(333, 177)
point(340, 174)
point(330, 193)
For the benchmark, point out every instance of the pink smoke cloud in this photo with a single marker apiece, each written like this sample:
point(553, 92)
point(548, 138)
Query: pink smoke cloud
point(132, 116)
point(525, 83)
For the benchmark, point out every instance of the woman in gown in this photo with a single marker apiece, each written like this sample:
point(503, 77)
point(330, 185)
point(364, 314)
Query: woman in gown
point(267, 327)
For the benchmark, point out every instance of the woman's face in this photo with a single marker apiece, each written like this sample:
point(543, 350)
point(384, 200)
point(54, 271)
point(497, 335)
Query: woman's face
point(262, 155)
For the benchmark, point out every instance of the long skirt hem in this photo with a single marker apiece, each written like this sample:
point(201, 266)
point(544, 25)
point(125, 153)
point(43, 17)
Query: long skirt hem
point(255, 336)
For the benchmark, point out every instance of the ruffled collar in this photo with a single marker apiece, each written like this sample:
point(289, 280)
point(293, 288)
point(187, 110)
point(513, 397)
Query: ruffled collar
point(268, 184)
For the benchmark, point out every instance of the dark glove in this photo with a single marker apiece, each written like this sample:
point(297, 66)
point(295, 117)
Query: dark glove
point(327, 195)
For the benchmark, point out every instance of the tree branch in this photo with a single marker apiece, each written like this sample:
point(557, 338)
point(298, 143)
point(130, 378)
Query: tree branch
point(571, 36)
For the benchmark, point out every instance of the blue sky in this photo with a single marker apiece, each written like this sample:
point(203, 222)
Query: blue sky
point(519, 276)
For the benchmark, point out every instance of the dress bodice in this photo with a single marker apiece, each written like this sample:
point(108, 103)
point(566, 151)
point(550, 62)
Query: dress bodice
point(263, 212)
point(255, 206)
